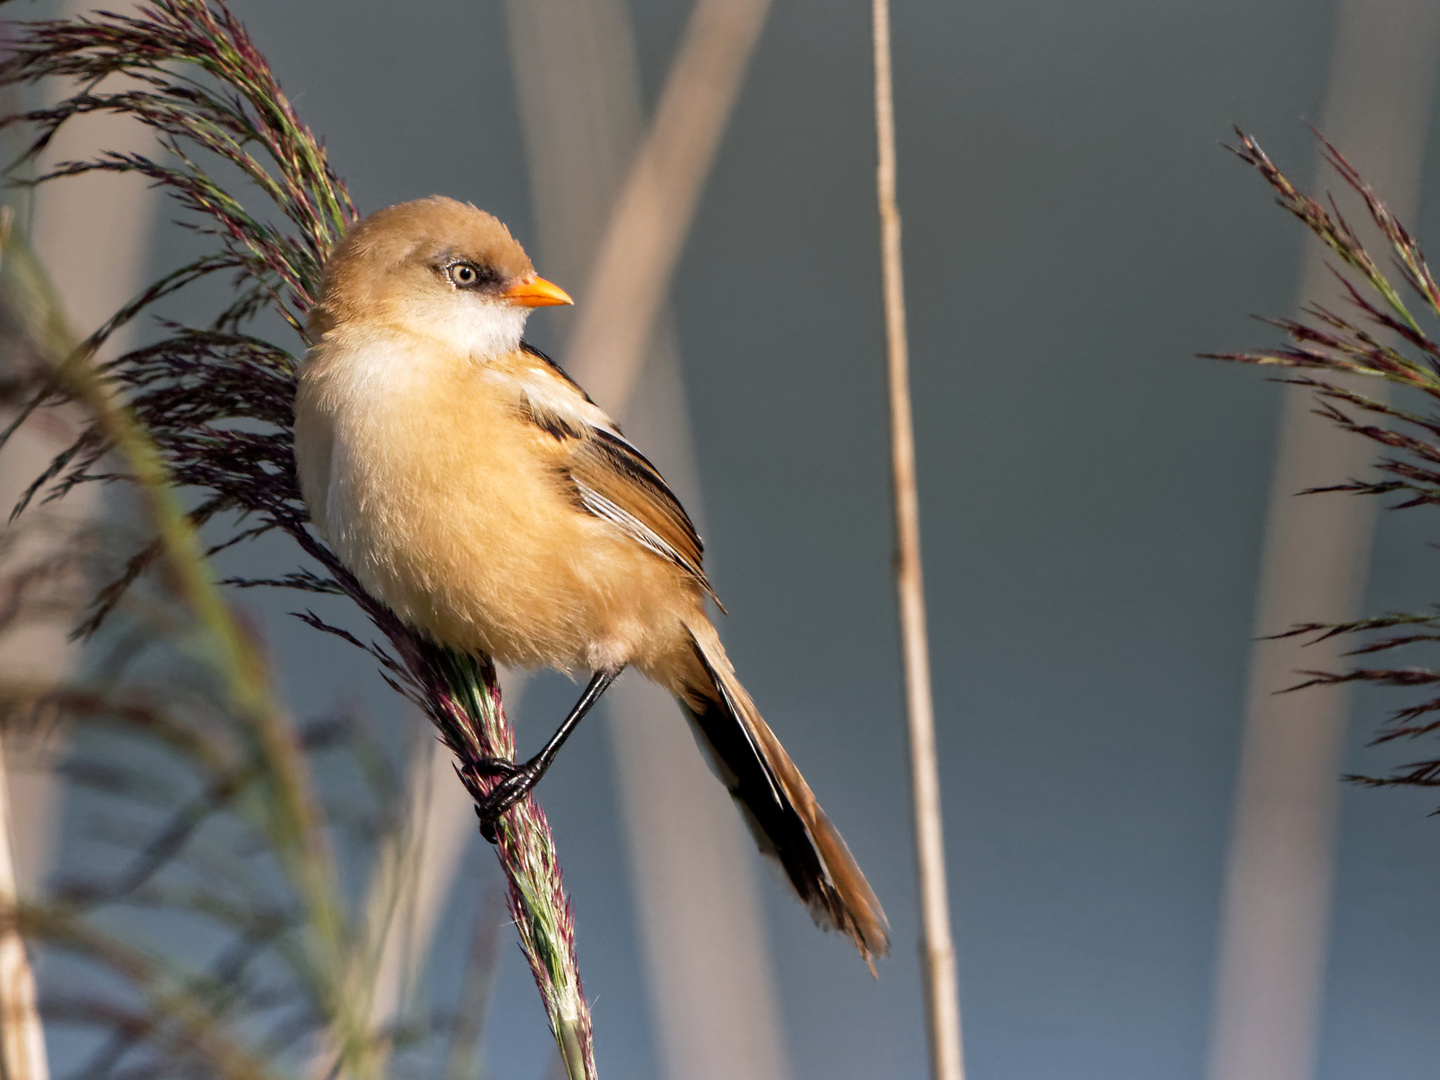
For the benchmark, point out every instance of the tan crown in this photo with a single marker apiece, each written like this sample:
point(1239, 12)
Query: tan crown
point(391, 256)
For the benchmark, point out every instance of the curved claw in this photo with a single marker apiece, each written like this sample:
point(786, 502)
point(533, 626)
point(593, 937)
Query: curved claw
point(494, 766)
point(503, 796)
point(519, 779)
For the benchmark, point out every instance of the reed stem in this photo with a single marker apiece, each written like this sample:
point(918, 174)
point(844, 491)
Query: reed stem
point(937, 951)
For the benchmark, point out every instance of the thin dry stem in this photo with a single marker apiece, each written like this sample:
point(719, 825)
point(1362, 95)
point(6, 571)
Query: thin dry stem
point(942, 1003)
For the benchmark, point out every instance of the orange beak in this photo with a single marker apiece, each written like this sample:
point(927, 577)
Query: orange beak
point(536, 292)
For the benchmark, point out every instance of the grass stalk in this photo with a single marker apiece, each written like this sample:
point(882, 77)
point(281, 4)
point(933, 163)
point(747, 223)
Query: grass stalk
point(474, 726)
point(937, 950)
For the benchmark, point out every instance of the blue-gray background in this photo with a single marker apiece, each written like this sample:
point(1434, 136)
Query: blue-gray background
point(1093, 500)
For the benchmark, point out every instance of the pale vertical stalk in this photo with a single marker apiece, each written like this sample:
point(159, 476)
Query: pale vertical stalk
point(937, 950)
point(97, 229)
point(477, 987)
point(22, 1037)
point(697, 897)
point(630, 276)
point(1276, 909)
point(697, 901)
point(440, 822)
point(92, 233)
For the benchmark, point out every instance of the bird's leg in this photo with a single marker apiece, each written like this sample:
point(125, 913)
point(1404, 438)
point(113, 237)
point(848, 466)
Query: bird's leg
point(521, 778)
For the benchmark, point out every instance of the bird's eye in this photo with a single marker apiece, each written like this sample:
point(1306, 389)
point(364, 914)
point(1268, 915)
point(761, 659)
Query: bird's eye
point(463, 275)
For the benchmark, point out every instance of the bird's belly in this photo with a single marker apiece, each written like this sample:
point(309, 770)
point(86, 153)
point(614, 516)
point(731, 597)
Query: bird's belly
point(477, 542)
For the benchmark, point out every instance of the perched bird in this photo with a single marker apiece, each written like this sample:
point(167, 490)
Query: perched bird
point(477, 491)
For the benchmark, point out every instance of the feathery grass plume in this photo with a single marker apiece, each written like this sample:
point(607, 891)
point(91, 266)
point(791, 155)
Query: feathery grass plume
point(216, 402)
point(237, 753)
point(188, 815)
point(1376, 335)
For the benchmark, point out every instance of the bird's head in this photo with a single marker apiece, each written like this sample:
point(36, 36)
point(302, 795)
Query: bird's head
point(437, 267)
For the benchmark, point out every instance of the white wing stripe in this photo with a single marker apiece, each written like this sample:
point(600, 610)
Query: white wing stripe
point(602, 507)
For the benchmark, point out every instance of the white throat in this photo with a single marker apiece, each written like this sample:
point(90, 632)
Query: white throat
point(469, 325)
point(485, 330)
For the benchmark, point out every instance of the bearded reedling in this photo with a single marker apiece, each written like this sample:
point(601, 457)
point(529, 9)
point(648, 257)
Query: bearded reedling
point(476, 490)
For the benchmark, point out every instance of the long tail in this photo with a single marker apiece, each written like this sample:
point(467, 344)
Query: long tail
point(777, 804)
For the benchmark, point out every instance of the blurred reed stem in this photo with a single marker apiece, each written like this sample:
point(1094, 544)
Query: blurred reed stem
point(1274, 939)
point(937, 950)
point(22, 1035)
point(592, 159)
point(463, 1061)
point(630, 276)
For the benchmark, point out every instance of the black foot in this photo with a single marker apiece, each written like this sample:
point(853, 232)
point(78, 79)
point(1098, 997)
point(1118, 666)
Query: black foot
point(519, 779)
point(519, 782)
point(494, 766)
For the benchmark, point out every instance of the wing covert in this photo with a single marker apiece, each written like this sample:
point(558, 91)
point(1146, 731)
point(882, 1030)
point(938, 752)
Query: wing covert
point(611, 478)
point(616, 482)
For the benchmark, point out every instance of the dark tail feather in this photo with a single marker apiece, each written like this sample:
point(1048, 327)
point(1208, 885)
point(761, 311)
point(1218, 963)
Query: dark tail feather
point(778, 805)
